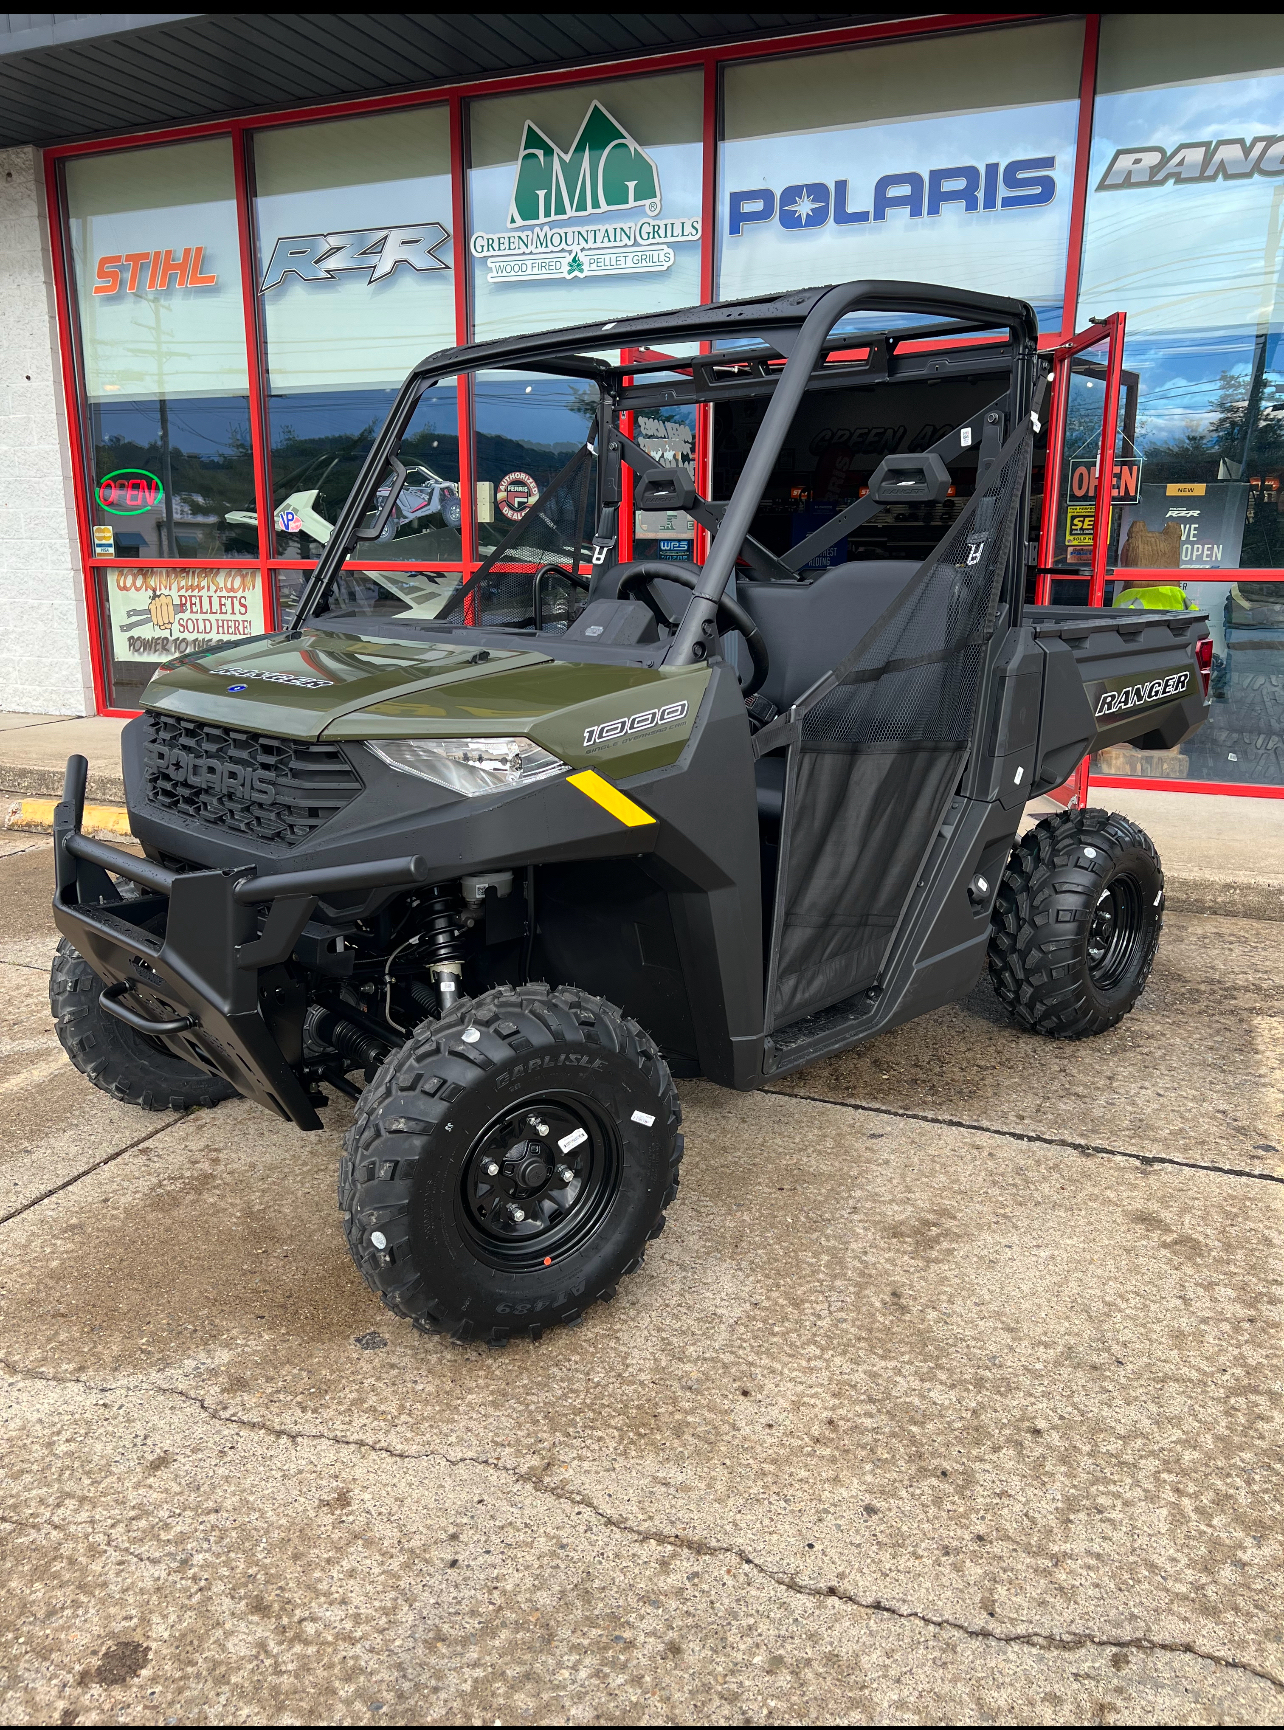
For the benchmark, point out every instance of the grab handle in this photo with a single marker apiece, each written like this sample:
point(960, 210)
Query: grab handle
point(109, 999)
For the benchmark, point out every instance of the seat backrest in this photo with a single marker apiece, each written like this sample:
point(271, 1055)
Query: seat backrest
point(809, 627)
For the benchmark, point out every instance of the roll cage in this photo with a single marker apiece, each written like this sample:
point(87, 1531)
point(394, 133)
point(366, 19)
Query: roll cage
point(781, 346)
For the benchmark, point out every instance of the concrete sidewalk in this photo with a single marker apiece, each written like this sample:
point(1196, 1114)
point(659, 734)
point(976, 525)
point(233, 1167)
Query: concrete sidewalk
point(1221, 854)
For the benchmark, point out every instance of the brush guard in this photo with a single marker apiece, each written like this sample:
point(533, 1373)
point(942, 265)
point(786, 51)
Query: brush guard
point(198, 987)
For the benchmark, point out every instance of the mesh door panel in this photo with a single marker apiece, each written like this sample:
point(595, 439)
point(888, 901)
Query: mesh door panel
point(880, 754)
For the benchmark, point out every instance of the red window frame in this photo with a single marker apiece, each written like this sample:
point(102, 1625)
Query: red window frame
point(711, 61)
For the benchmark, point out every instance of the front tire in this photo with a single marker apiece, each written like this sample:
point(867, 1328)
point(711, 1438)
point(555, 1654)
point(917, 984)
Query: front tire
point(1076, 923)
point(508, 1165)
point(127, 1065)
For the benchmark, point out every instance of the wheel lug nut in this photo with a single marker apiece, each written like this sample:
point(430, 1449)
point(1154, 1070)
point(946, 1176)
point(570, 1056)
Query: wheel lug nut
point(492, 1170)
point(566, 1174)
point(515, 1213)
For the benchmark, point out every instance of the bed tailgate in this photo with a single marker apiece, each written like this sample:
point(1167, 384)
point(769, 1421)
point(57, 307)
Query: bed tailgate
point(1121, 678)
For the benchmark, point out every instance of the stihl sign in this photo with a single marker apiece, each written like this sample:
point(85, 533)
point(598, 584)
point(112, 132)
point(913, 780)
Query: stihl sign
point(1123, 488)
point(134, 272)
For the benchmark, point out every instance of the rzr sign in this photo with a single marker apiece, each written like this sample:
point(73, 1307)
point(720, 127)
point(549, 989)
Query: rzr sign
point(320, 257)
point(604, 170)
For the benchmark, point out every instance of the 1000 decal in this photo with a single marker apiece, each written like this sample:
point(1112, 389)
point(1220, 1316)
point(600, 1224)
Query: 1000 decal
point(630, 724)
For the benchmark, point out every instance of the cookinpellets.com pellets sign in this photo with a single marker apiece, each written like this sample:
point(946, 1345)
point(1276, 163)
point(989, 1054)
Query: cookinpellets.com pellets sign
point(156, 614)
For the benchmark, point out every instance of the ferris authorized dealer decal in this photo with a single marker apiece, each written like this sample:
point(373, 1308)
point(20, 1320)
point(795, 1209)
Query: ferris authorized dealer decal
point(1117, 701)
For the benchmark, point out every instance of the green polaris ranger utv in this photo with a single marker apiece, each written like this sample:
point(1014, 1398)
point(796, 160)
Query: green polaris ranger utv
point(499, 855)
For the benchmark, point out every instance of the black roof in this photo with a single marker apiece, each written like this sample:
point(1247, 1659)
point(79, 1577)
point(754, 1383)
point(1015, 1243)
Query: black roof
point(77, 75)
point(962, 310)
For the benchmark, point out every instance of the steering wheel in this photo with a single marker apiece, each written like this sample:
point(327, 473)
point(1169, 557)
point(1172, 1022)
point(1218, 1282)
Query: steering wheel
point(641, 573)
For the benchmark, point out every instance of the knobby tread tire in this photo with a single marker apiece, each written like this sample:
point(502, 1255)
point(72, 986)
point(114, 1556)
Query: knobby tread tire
point(127, 1065)
point(1043, 912)
point(403, 1159)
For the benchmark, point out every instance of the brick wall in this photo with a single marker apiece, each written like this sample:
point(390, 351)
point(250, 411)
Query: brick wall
point(44, 648)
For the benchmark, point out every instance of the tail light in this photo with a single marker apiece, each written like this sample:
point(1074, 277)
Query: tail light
point(1204, 655)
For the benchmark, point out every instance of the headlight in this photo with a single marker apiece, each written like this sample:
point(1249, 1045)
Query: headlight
point(470, 766)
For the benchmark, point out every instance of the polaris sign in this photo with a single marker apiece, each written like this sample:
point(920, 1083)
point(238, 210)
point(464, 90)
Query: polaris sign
point(978, 200)
point(1024, 184)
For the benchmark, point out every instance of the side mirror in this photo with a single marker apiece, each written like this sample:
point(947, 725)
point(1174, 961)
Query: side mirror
point(920, 479)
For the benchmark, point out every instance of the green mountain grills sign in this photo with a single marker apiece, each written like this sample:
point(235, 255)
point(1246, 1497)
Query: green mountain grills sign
point(605, 171)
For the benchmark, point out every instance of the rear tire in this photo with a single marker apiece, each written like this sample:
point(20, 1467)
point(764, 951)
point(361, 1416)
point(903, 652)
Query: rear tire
point(454, 1202)
point(127, 1065)
point(1076, 923)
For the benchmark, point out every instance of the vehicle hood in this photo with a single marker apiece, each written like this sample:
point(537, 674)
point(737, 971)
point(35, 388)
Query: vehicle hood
point(309, 684)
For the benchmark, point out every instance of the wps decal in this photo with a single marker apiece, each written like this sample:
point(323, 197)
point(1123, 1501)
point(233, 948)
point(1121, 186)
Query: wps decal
point(1188, 164)
point(320, 257)
point(631, 724)
point(1138, 696)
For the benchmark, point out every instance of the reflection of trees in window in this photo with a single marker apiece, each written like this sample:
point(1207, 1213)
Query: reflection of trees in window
point(202, 486)
point(1242, 439)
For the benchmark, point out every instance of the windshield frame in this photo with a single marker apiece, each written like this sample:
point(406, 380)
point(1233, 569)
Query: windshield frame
point(772, 345)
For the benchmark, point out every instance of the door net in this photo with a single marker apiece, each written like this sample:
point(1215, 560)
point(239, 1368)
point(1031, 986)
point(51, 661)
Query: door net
point(879, 753)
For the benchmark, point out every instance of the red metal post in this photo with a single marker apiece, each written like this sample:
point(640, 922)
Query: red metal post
point(1058, 399)
point(1114, 326)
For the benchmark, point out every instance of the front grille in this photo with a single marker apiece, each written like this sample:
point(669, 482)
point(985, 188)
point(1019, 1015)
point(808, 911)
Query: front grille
point(279, 790)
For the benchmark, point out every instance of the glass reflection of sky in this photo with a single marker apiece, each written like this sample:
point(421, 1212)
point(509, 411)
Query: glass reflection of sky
point(1180, 377)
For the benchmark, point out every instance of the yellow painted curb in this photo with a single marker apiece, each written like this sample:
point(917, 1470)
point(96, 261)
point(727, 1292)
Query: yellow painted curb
point(37, 814)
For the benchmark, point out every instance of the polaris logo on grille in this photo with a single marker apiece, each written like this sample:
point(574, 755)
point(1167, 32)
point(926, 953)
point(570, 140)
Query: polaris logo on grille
point(1136, 696)
point(631, 724)
point(233, 781)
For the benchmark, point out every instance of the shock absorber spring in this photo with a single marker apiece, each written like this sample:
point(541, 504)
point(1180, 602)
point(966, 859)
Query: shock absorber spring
point(443, 942)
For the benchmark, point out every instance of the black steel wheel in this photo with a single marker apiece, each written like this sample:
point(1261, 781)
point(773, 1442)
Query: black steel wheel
point(508, 1165)
point(538, 1180)
point(1076, 923)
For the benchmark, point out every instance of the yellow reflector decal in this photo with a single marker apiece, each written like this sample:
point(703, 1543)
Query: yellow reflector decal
point(610, 798)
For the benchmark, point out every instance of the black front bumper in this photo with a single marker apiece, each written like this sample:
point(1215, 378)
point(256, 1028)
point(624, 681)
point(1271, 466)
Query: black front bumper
point(186, 959)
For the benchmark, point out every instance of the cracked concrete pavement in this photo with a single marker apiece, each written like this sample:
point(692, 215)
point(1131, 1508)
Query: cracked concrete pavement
point(950, 1393)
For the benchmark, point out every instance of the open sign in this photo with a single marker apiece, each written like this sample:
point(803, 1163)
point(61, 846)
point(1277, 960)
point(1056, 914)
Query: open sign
point(130, 492)
point(1123, 487)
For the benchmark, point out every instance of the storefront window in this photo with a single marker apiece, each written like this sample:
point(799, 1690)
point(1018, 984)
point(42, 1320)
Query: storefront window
point(1185, 232)
point(356, 284)
point(584, 202)
point(151, 613)
point(156, 265)
point(947, 160)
